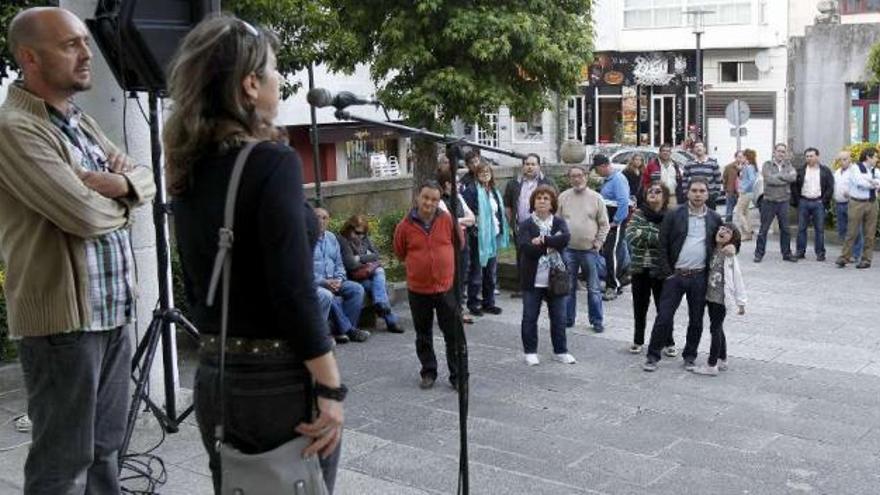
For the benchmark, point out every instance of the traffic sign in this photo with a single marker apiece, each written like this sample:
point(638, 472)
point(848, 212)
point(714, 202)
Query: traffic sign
point(743, 132)
point(737, 112)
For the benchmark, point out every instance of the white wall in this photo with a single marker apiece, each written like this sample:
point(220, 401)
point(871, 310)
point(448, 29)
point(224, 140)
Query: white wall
point(801, 13)
point(296, 111)
point(765, 30)
point(871, 18)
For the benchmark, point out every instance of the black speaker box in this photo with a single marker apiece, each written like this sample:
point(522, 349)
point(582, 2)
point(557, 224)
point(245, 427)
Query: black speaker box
point(139, 37)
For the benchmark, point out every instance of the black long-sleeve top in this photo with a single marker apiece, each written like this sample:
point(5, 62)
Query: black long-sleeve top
point(272, 293)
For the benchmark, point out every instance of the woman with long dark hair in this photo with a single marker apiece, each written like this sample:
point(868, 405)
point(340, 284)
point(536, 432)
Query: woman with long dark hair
point(225, 90)
point(643, 234)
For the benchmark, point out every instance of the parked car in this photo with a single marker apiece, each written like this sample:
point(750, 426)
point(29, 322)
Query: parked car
point(622, 156)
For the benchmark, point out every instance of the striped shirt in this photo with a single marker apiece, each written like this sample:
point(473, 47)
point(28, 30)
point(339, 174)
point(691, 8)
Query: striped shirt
point(109, 257)
point(709, 170)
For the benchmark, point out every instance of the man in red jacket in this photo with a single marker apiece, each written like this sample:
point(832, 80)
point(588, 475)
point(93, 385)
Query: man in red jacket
point(423, 241)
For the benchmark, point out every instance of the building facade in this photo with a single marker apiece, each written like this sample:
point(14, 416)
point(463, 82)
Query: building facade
point(832, 102)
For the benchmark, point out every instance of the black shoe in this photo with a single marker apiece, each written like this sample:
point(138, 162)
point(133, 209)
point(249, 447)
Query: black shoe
point(426, 382)
point(381, 311)
point(395, 328)
point(492, 310)
point(820, 257)
point(789, 258)
point(841, 262)
point(863, 264)
point(800, 256)
point(453, 382)
point(341, 339)
point(689, 365)
point(358, 335)
point(758, 258)
point(475, 311)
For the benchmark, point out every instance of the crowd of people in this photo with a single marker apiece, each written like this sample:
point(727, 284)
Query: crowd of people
point(65, 212)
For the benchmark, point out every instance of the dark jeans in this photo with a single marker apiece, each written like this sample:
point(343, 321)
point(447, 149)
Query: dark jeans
point(612, 251)
point(769, 211)
point(423, 307)
point(481, 280)
point(674, 287)
point(78, 397)
point(718, 349)
point(532, 299)
point(266, 398)
point(643, 287)
point(811, 212)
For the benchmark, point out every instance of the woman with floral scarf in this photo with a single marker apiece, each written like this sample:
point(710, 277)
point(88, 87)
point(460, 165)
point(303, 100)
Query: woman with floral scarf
point(542, 238)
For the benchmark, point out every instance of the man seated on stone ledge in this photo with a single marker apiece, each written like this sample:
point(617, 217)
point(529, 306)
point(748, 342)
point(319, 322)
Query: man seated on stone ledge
point(344, 297)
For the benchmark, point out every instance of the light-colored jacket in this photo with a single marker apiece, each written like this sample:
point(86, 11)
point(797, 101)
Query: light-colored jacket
point(46, 213)
point(734, 288)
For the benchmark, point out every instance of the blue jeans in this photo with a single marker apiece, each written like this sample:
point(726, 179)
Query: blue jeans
point(325, 299)
point(375, 286)
point(769, 211)
point(77, 398)
point(842, 223)
point(532, 299)
point(729, 204)
point(587, 261)
point(345, 306)
point(811, 212)
point(266, 397)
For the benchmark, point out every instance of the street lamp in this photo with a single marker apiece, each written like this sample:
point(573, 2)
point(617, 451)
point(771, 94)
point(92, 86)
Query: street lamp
point(697, 23)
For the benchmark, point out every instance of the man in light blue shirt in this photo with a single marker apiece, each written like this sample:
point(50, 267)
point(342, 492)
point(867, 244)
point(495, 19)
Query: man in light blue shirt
point(615, 193)
point(343, 297)
point(864, 182)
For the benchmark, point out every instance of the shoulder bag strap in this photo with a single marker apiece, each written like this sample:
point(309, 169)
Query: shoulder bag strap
point(223, 265)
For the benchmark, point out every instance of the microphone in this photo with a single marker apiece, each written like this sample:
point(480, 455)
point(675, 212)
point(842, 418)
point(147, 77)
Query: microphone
point(320, 97)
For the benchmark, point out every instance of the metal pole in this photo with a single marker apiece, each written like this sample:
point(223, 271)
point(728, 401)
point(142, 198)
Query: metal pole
point(738, 126)
point(316, 160)
point(699, 102)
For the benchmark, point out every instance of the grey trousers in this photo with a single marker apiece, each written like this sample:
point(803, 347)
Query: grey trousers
point(78, 397)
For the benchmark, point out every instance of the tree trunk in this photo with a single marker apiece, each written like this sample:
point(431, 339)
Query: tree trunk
point(425, 165)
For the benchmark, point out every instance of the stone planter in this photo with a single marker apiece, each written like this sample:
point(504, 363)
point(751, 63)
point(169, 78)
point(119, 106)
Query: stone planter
point(572, 151)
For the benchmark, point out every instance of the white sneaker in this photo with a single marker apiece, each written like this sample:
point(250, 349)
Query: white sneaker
point(706, 370)
point(23, 424)
point(565, 358)
point(671, 351)
point(532, 359)
point(722, 365)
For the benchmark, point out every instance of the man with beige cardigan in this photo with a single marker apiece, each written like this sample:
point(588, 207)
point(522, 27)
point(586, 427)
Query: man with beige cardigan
point(66, 195)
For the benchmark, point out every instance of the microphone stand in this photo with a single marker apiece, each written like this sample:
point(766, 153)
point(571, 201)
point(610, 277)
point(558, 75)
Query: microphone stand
point(454, 146)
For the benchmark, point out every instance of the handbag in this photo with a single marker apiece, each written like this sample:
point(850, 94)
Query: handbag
point(559, 282)
point(280, 471)
point(365, 271)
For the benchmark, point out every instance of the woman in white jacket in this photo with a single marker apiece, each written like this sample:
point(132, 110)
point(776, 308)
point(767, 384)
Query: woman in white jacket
point(725, 290)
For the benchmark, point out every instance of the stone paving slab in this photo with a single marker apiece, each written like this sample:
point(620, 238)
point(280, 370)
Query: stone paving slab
point(796, 413)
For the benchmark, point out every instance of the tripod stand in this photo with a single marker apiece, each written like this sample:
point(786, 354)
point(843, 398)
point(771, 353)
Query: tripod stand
point(164, 316)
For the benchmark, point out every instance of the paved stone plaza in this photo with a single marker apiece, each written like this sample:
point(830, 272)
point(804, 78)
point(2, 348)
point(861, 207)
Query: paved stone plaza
point(798, 412)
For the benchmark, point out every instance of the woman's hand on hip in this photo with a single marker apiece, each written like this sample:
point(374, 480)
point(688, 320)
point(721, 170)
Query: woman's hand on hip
point(326, 430)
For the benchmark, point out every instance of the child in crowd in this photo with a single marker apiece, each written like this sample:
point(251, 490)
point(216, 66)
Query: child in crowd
point(725, 290)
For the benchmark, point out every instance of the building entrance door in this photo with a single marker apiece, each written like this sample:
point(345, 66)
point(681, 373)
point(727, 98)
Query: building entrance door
point(662, 119)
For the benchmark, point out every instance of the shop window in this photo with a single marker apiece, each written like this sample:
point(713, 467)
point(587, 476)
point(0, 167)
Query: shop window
point(859, 6)
point(864, 114)
point(610, 120)
point(738, 71)
point(529, 129)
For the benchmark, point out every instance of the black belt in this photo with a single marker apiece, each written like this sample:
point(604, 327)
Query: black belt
point(861, 200)
point(688, 272)
point(811, 199)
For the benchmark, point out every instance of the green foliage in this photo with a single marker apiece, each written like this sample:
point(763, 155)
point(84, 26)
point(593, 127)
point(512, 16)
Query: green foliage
point(8, 10)
point(309, 32)
point(873, 64)
point(435, 60)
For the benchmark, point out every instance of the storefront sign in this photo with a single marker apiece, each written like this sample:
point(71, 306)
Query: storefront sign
point(642, 69)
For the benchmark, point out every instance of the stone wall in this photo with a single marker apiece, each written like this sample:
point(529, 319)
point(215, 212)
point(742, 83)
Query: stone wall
point(820, 66)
